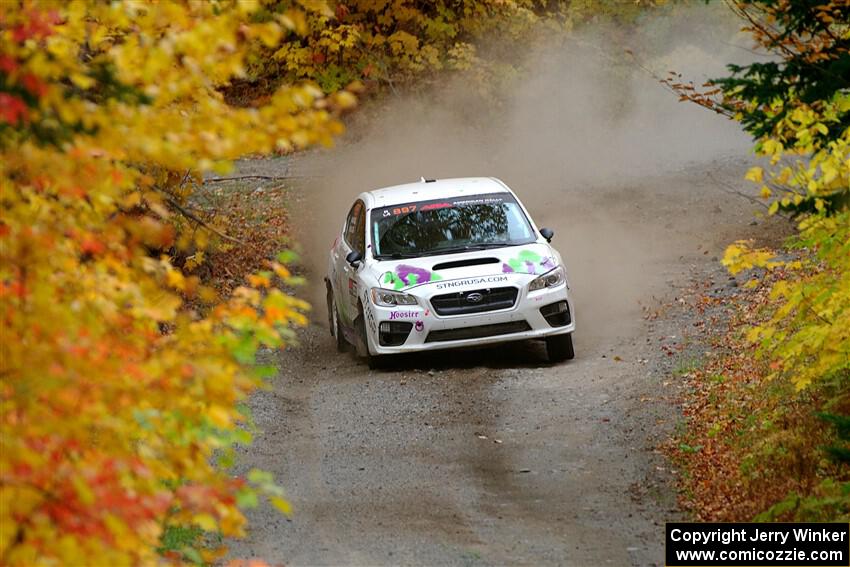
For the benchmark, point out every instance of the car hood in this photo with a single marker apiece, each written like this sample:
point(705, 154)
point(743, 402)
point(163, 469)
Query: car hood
point(536, 258)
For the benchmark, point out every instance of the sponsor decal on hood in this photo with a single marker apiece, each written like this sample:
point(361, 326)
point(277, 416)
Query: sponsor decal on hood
point(528, 262)
point(472, 281)
point(525, 261)
point(408, 276)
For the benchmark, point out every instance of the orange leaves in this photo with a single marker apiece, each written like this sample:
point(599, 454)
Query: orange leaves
point(89, 244)
point(114, 392)
point(259, 280)
point(35, 24)
point(752, 437)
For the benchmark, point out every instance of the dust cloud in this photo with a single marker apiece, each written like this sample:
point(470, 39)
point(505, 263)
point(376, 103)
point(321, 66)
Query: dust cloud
point(595, 147)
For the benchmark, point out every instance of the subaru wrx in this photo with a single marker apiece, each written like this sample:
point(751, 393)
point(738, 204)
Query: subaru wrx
point(441, 264)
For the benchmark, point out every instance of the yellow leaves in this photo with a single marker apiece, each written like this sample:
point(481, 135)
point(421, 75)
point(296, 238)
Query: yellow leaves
point(806, 334)
point(403, 42)
point(765, 192)
point(755, 175)
point(268, 33)
point(344, 100)
point(281, 271)
point(780, 289)
point(294, 20)
point(318, 6)
point(220, 416)
point(194, 260)
point(740, 256)
point(281, 504)
point(82, 81)
point(771, 148)
point(205, 522)
point(753, 334)
point(174, 278)
point(110, 382)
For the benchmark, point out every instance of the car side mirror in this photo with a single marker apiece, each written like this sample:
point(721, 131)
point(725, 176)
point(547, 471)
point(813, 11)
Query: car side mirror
point(547, 233)
point(354, 258)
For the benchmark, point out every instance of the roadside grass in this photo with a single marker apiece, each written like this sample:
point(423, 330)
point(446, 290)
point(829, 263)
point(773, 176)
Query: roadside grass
point(470, 557)
point(753, 447)
point(686, 366)
point(182, 542)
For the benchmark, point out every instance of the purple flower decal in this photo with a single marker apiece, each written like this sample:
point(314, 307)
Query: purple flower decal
point(405, 272)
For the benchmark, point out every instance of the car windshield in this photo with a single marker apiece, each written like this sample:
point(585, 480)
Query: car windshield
point(444, 226)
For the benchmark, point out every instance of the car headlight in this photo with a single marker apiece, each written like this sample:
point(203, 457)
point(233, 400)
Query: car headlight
point(551, 278)
point(387, 298)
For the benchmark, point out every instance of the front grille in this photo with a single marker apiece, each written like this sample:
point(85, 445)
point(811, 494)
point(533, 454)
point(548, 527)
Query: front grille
point(491, 299)
point(477, 332)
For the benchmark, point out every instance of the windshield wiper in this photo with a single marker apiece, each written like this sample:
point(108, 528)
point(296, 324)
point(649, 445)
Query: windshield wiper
point(460, 249)
point(486, 245)
point(397, 256)
point(439, 251)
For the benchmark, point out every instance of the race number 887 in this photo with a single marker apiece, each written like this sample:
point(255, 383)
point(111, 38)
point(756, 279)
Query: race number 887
point(404, 210)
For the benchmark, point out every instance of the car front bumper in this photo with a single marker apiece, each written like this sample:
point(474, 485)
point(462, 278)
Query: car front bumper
point(431, 331)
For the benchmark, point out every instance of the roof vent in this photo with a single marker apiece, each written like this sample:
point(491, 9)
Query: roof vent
point(423, 180)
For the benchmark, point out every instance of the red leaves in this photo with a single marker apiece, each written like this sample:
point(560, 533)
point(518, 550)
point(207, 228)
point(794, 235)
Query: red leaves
point(34, 85)
point(82, 490)
point(91, 245)
point(7, 64)
point(39, 25)
point(13, 110)
point(15, 288)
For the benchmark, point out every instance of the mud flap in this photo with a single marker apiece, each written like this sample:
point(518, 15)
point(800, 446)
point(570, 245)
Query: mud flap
point(329, 299)
point(361, 342)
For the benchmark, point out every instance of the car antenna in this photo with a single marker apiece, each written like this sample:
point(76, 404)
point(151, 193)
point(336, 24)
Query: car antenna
point(423, 180)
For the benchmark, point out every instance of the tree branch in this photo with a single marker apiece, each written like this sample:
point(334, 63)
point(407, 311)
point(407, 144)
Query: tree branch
point(269, 177)
point(191, 216)
point(727, 188)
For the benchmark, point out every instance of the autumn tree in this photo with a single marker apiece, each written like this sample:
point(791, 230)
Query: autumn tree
point(114, 393)
point(396, 42)
point(798, 109)
point(796, 105)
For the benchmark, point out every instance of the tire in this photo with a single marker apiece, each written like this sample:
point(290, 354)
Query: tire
point(374, 361)
point(333, 320)
point(560, 348)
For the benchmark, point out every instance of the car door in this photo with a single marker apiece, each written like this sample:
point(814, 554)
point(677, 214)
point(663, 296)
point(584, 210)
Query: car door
point(353, 239)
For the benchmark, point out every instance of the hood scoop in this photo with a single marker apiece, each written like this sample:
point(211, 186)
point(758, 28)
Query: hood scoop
point(465, 263)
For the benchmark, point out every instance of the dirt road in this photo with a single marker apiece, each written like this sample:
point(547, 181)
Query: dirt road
point(494, 456)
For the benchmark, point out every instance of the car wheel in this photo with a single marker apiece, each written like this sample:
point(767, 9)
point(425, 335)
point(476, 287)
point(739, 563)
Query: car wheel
point(336, 330)
point(560, 348)
point(333, 321)
point(374, 361)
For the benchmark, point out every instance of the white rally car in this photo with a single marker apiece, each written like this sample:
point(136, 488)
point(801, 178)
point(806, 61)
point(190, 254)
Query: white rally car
point(442, 264)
